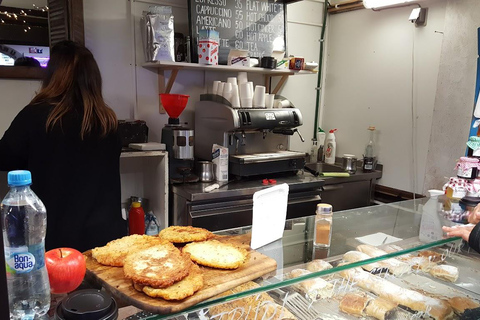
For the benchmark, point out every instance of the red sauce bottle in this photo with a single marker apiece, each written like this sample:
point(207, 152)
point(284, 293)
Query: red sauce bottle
point(136, 219)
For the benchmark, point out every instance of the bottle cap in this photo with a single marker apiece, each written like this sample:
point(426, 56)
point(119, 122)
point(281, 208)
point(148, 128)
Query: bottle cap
point(136, 204)
point(324, 208)
point(18, 178)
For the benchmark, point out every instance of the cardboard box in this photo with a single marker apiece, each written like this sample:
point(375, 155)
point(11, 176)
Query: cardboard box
point(220, 162)
point(238, 58)
point(208, 47)
point(296, 63)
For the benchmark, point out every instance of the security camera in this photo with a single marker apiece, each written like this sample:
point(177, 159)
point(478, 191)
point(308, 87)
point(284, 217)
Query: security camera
point(418, 16)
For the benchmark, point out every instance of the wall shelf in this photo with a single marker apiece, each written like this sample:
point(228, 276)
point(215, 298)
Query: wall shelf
point(136, 154)
point(175, 67)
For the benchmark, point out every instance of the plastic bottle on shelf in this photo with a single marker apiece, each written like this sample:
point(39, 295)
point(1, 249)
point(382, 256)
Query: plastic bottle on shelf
point(314, 151)
point(136, 219)
point(369, 158)
point(430, 224)
point(323, 225)
point(321, 144)
point(24, 225)
point(330, 147)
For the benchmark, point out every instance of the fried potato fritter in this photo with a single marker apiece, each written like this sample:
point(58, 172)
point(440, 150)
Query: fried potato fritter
point(115, 252)
point(184, 234)
point(215, 254)
point(181, 289)
point(159, 266)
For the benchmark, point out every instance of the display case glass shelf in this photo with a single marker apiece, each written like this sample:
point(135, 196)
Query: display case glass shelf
point(404, 232)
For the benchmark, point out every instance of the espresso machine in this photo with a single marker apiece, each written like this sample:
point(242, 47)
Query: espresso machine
point(257, 139)
point(179, 140)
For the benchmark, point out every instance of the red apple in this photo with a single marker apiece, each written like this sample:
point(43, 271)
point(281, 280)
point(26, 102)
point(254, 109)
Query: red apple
point(66, 268)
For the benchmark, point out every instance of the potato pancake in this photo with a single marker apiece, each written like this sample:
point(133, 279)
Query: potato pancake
point(184, 234)
point(215, 254)
point(114, 253)
point(159, 266)
point(181, 289)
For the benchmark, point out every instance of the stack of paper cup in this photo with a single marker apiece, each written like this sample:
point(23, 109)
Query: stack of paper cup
point(235, 97)
point(215, 87)
point(242, 77)
point(245, 95)
point(227, 91)
point(259, 97)
point(220, 87)
point(269, 100)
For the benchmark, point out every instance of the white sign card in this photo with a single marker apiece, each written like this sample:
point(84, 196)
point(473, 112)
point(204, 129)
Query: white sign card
point(269, 215)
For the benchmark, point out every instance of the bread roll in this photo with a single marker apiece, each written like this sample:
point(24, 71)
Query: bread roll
point(395, 266)
point(318, 265)
point(315, 288)
point(421, 263)
point(390, 248)
point(353, 304)
point(460, 304)
point(256, 306)
point(414, 300)
point(380, 308)
point(355, 256)
point(445, 272)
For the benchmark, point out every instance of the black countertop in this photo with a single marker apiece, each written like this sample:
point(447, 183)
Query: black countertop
point(302, 180)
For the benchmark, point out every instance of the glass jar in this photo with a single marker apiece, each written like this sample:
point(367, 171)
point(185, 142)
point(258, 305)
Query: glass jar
point(323, 225)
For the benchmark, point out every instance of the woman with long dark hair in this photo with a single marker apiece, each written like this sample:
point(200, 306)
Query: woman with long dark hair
point(67, 138)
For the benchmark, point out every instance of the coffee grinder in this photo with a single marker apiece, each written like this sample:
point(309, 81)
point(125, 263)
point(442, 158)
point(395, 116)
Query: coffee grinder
point(179, 140)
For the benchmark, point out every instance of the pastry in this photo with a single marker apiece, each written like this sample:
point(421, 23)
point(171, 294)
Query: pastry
point(355, 256)
point(460, 304)
point(435, 308)
point(395, 266)
point(181, 289)
point(215, 254)
point(390, 248)
point(431, 255)
point(253, 307)
point(421, 263)
point(158, 266)
point(318, 265)
point(315, 288)
point(445, 272)
point(380, 308)
point(353, 304)
point(184, 234)
point(114, 253)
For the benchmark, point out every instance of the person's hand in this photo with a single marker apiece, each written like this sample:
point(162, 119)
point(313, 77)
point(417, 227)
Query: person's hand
point(459, 231)
point(474, 216)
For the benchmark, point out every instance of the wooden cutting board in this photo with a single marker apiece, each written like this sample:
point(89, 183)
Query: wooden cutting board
point(215, 280)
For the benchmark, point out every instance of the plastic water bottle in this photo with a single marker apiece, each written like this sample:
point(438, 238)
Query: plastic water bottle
point(24, 224)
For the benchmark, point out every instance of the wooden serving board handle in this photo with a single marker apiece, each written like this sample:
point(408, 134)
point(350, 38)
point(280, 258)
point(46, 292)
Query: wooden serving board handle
point(216, 281)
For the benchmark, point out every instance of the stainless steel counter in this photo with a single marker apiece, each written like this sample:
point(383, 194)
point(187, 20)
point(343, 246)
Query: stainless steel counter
point(303, 180)
point(230, 206)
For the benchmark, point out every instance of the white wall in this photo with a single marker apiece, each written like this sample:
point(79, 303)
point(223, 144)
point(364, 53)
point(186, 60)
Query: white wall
point(382, 71)
point(455, 95)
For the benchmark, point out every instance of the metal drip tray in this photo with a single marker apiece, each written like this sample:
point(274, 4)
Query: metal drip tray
point(266, 157)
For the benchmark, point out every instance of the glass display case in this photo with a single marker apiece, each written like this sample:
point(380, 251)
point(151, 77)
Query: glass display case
point(410, 271)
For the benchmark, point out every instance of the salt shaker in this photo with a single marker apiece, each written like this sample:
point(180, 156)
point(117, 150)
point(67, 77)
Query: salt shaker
point(323, 225)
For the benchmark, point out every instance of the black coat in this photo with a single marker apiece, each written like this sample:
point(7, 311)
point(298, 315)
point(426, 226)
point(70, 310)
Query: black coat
point(78, 181)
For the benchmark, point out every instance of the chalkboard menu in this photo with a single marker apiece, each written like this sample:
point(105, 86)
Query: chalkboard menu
point(254, 25)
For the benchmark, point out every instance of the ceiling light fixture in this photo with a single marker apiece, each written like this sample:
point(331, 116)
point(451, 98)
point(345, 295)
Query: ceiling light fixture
point(384, 4)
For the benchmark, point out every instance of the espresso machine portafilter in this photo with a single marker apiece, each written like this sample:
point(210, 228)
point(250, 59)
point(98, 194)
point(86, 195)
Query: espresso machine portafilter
point(179, 140)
